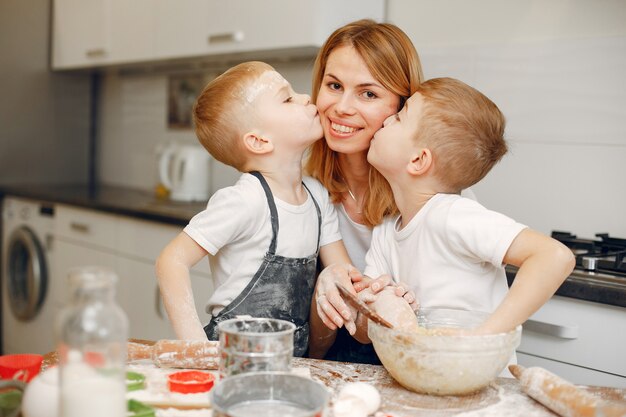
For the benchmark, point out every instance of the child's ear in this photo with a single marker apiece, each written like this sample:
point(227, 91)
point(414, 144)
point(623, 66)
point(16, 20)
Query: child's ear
point(256, 144)
point(420, 163)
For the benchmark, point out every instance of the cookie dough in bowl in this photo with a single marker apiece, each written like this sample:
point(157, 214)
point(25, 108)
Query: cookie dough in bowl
point(429, 361)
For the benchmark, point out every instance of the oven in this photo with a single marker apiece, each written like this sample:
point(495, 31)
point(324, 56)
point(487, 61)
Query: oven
point(28, 302)
point(580, 332)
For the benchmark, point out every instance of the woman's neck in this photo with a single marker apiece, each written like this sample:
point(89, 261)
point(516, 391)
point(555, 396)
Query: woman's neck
point(355, 170)
point(355, 174)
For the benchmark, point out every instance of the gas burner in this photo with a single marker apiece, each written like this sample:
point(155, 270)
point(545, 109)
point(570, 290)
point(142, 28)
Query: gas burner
point(606, 254)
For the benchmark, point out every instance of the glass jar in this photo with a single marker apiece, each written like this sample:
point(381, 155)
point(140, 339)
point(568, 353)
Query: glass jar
point(92, 331)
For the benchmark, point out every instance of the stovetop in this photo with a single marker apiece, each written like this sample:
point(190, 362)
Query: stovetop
point(605, 254)
point(600, 272)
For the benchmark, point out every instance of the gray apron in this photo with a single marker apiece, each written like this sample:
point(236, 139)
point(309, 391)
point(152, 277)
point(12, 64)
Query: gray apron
point(282, 288)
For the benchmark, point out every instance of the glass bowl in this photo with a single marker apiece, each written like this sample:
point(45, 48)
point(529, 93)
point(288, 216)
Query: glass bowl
point(259, 394)
point(443, 364)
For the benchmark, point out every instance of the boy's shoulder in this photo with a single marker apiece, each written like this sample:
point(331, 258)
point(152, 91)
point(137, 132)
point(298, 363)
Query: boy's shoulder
point(312, 182)
point(247, 188)
point(315, 187)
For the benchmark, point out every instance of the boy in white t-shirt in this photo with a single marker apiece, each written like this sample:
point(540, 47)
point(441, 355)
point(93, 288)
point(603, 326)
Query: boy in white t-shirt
point(450, 250)
point(262, 235)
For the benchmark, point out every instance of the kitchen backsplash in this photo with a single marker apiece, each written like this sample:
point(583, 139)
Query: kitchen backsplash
point(564, 99)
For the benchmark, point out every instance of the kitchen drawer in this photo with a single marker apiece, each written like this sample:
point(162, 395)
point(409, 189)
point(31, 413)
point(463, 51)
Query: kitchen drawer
point(578, 332)
point(145, 239)
point(574, 374)
point(86, 226)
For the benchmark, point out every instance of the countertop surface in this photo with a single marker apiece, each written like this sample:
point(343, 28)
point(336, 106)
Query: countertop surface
point(504, 397)
point(111, 199)
point(144, 205)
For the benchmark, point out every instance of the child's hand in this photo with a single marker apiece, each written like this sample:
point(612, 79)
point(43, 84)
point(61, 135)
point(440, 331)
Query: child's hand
point(400, 289)
point(331, 308)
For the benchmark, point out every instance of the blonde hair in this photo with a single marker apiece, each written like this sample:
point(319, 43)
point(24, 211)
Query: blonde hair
point(393, 61)
point(220, 109)
point(463, 129)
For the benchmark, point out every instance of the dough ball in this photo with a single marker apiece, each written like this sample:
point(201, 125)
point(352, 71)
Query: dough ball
point(364, 392)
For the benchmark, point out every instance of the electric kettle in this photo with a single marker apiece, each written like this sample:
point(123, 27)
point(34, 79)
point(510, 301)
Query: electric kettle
point(185, 171)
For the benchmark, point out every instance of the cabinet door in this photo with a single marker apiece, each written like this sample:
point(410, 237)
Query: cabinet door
point(180, 27)
point(140, 243)
point(257, 25)
point(69, 254)
point(140, 299)
point(131, 31)
point(579, 333)
point(80, 33)
point(90, 33)
point(260, 29)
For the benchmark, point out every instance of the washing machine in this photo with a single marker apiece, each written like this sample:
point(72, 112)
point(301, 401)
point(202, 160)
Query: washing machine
point(29, 304)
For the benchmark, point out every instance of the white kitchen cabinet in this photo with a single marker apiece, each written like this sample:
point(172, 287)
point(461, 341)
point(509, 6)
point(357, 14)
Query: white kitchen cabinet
point(129, 247)
point(289, 27)
point(80, 33)
point(579, 340)
point(123, 32)
point(92, 33)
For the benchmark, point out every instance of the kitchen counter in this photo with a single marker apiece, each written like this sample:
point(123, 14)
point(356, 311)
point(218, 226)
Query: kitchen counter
point(111, 199)
point(504, 397)
point(144, 205)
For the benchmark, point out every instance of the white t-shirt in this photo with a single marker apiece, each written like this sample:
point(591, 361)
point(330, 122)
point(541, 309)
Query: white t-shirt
point(357, 237)
point(235, 229)
point(450, 254)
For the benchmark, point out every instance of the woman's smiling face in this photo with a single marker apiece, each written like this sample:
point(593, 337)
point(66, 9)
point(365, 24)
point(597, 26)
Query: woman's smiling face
point(351, 103)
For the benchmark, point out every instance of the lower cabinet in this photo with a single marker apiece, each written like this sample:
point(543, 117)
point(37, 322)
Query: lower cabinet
point(129, 247)
point(578, 340)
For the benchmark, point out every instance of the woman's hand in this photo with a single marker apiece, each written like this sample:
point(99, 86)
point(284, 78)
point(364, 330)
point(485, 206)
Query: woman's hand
point(401, 289)
point(331, 308)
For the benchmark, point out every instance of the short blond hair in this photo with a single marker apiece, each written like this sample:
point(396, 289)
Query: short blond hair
point(220, 115)
point(393, 61)
point(463, 129)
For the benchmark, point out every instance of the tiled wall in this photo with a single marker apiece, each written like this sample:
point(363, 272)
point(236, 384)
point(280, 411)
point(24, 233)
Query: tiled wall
point(558, 78)
point(133, 127)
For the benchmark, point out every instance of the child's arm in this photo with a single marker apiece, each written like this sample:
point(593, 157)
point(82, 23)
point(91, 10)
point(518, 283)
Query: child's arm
point(328, 310)
point(172, 269)
point(544, 264)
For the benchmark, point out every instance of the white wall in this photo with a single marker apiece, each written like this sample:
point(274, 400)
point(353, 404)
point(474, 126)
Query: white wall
point(555, 68)
point(133, 126)
point(44, 116)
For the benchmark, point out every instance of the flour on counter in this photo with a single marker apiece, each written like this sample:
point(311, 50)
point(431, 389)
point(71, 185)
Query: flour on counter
point(175, 412)
point(508, 405)
point(157, 392)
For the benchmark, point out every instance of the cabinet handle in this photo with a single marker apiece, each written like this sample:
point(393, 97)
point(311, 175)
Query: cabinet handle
point(79, 227)
point(226, 37)
point(556, 330)
point(95, 53)
point(158, 305)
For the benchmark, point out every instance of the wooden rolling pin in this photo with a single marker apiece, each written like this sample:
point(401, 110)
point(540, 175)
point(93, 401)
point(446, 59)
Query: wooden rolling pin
point(562, 397)
point(188, 354)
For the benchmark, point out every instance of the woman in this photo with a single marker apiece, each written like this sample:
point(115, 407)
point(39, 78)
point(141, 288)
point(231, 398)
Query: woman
point(363, 74)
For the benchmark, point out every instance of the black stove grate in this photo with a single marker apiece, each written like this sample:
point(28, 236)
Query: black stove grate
point(605, 254)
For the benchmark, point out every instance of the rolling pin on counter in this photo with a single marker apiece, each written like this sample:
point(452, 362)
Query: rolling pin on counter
point(562, 397)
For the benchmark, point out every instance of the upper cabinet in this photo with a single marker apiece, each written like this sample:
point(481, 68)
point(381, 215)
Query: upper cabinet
point(91, 33)
point(95, 33)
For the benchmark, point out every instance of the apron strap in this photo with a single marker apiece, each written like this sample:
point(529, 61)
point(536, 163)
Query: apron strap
point(319, 218)
point(273, 211)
